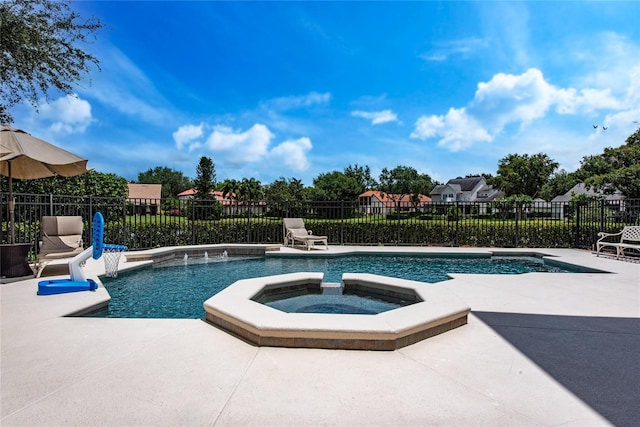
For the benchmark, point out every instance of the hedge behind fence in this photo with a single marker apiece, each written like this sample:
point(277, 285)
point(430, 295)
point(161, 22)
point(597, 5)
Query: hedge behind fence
point(563, 235)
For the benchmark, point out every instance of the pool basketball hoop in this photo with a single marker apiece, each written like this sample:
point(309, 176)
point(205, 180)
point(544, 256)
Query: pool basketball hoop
point(110, 253)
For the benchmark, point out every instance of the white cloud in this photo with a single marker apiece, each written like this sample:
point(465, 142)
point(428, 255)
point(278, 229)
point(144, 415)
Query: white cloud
point(457, 130)
point(509, 99)
point(237, 148)
point(293, 154)
point(188, 134)
point(587, 101)
point(461, 47)
point(295, 102)
point(69, 114)
point(376, 117)
point(240, 146)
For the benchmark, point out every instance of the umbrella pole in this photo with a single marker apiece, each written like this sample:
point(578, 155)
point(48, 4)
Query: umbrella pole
point(12, 233)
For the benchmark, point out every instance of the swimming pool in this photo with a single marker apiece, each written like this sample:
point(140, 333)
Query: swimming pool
point(177, 289)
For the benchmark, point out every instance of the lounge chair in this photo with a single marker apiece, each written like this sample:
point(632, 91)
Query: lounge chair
point(295, 231)
point(60, 237)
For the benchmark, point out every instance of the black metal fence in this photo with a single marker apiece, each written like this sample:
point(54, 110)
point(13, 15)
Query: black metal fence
point(149, 223)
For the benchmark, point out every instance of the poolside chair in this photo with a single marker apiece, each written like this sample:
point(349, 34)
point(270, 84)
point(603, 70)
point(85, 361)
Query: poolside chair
point(294, 231)
point(60, 237)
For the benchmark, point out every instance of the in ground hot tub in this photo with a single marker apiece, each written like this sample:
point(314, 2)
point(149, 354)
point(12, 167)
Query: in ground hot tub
point(427, 310)
point(335, 298)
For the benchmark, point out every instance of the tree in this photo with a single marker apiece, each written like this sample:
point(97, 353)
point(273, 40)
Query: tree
point(559, 183)
point(173, 182)
point(249, 193)
point(107, 189)
point(250, 190)
point(229, 188)
point(205, 180)
point(92, 183)
point(286, 197)
point(405, 180)
point(335, 186)
point(615, 169)
point(283, 190)
point(362, 175)
point(523, 174)
point(38, 41)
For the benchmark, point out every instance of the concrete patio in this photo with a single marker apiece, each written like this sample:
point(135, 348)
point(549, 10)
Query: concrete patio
point(539, 349)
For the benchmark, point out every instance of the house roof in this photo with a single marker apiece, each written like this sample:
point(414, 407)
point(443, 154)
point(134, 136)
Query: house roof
point(144, 191)
point(492, 193)
point(467, 184)
point(389, 199)
point(580, 188)
point(219, 195)
point(439, 189)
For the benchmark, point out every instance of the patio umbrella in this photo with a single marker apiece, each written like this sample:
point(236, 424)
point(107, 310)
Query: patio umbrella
point(23, 156)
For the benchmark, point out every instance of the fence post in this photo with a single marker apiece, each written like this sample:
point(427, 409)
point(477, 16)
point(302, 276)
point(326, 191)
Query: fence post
point(577, 236)
point(518, 210)
point(342, 222)
point(51, 204)
point(456, 240)
point(124, 220)
point(90, 218)
point(602, 221)
point(248, 238)
point(193, 221)
point(398, 227)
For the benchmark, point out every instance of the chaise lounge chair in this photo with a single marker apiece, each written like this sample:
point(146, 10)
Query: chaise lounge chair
point(60, 237)
point(294, 231)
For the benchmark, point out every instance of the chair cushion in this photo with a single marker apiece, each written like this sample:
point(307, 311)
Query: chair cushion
point(61, 225)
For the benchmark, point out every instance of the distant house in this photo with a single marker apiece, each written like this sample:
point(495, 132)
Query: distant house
point(488, 194)
point(380, 203)
point(559, 203)
point(230, 206)
point(145, 198)
point(190, 194)
point(459, 190)
point(465, 191)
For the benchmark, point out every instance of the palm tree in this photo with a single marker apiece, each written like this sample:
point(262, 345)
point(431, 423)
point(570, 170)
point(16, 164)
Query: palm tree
point(296, 191)
point(249, 191)
point(229, 190)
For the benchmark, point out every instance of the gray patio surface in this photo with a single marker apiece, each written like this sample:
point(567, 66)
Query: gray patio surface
point(539, 349)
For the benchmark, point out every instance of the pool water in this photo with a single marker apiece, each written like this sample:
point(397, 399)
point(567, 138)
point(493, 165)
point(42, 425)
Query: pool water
point(178, 289)
point(332, 304)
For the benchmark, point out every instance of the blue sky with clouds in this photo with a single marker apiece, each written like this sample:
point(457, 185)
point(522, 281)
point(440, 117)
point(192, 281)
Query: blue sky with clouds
point(295, 89)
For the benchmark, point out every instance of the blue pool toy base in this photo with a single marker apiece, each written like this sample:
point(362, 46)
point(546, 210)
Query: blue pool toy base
point(61, 286)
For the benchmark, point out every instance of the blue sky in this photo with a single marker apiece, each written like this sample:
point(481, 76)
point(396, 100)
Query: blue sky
point(295, 89)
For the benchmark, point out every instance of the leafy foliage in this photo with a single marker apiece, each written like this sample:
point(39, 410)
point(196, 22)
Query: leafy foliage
point(523, 174)
point(286, 197)
point(335, 186)
point(205, 180)
point(97, 184)
point(38, 41)
point(403, 180)
point(249, 190)
point(615, 169)
point(559, 183)
point(173, 182)
point(362, 175)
